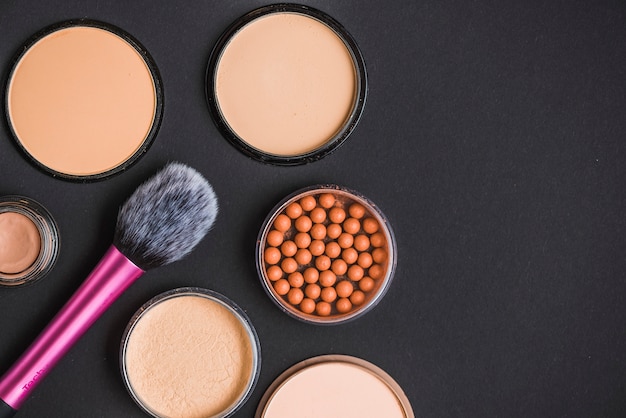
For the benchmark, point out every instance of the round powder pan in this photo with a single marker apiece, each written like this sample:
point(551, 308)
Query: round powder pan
point(190, 352)
point(83, 100)
point(326, 254)
point(29, 241)
point(334, 385)
point(286, 84)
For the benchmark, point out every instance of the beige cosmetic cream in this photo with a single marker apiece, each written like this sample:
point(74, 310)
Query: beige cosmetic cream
point(83, 100)
point(190, 353)
point(286, 84)
point(29, 241)
point(334, 386)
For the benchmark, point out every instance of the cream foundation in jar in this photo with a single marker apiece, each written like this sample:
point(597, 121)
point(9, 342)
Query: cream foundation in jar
point(29, 241)
point(286, 84)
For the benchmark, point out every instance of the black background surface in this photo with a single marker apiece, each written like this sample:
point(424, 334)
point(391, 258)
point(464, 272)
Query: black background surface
point(493, 140)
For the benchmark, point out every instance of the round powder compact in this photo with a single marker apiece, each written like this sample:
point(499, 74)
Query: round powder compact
point(326, 254)
point(83, 100)
point(29, 241)
point(334, 386)
point(286, 84)
point(190, 353)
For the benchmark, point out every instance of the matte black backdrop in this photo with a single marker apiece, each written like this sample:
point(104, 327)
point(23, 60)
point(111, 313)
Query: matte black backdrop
point(493, 139)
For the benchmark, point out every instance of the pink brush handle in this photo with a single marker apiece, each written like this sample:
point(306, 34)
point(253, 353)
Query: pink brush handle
point(105, 284)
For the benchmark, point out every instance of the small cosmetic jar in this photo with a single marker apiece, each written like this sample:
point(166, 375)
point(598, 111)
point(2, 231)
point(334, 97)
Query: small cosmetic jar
point(190, 352)
point(352, 388)
point(326, 254)
point(29, 241)
point(286, 84)
point(83, 100)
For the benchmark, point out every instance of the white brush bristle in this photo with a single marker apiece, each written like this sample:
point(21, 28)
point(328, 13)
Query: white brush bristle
point(166, 217)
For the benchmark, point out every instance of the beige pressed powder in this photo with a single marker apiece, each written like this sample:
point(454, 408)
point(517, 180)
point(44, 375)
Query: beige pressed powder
point(189, 355)
point(82, 101)
point(334, 386)
point(286, 83)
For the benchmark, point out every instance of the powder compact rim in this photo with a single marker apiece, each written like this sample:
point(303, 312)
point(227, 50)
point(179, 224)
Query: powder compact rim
point(332, 143)
point(225, 302)
point(292, 371)
point(48, 232)
point(156, 81)
point(373, 300)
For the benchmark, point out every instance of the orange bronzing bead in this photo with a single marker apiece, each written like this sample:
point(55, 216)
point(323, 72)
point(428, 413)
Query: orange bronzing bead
point(311, 275)
point(370, 225)
point(337, 215)
point(295, 296)
point(289, 248)
point(282, 222)
point(274, 273)
point(327, 278)
point(343, 305)
point(344, 288)
point(339, 267)
point(351, 225)
point(303, 223)
point(323, 308)
point(327, 200)
point(329, 294)
point(302, 240)
point(272, 255)
point(303, 256)
point(318, 215)
point(275, 238)
point(307, 305)
point(282, 287)
point(357, 297)
point(289, 265)
point(356, 210)
point(294, 210)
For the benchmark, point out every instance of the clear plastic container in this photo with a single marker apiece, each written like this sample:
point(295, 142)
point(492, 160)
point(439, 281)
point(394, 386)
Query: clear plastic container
point(30, 216)
point(190, 352)
point(345, 254)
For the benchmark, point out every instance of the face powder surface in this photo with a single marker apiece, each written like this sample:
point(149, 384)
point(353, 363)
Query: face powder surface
point(188, 356)
point(81, 100)
point(334, 389)
point(286, 83)
point(20, 243)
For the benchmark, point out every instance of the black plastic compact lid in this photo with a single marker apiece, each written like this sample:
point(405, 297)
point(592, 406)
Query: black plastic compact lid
point(258, 60)
point(48, 112)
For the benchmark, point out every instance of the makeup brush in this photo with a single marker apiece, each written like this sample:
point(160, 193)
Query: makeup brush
point(160, 223)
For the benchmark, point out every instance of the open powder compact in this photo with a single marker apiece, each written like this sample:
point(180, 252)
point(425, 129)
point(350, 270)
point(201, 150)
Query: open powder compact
point(326, 254)
point(83, 100)
point(334, 386)
point(190, 352)
point(286, 84)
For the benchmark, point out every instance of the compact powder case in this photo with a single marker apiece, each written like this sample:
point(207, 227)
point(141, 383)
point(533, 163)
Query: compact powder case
point(29, 241)
point(84, 100)
point(326, 254)
point(334, 385)
point(286, 84)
